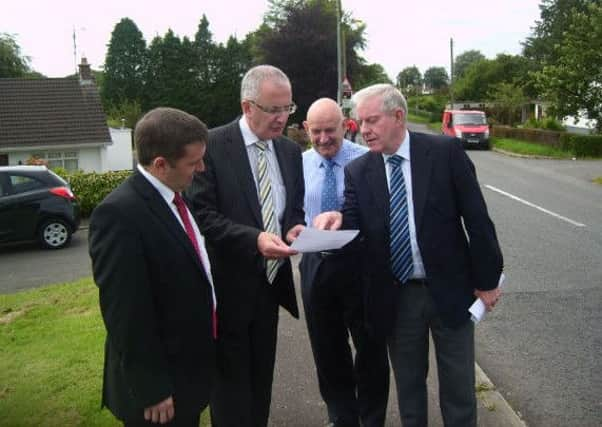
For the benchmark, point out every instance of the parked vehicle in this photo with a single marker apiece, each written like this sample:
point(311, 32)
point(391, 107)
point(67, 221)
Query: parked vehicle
point(470, 126)
point(36, 204)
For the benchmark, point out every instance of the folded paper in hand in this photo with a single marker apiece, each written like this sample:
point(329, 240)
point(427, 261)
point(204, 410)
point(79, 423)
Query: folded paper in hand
point(314, 240)
point(477, 309)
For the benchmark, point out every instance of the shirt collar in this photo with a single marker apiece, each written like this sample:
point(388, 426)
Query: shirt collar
point(165, 192)
point(337, 158)
point(403, 150)
point(247, 134)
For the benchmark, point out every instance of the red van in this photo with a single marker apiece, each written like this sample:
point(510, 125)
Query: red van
point(470, 126)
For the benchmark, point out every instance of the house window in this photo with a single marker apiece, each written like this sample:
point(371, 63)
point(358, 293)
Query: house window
point(69, 160)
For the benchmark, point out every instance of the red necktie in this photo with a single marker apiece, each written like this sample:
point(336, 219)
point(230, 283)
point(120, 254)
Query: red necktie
point(183, 211)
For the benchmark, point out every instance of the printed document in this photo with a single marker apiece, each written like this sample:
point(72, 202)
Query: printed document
point(314, 240)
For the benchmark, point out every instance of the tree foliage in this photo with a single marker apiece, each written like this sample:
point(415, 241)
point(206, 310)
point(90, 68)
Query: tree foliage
point(436, 79)
point(556, 17)
point(125, 65)
point(573, 82)
point(508, 99)
point(300, 38)
point(464, 60)
point(409, 80)
point(481, 76)
point(12, 62)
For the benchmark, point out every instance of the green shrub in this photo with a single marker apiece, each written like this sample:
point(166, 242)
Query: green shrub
point(92, 188)
point(548, 123)
point(582, 145)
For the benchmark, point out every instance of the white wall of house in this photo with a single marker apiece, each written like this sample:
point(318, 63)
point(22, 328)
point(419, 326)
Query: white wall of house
point(101, 158)
point(118, 156)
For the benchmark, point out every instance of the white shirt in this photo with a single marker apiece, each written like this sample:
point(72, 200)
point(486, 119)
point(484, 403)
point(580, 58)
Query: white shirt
point(168, 195)
point(406, 169)
point(278, 188)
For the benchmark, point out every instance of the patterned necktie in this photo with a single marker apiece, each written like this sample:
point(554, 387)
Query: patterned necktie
point(401, 249)
point(183, 212)
point(267, 204)
point(329, 200)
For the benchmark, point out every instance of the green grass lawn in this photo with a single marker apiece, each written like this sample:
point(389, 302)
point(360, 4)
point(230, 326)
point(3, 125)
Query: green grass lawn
point(598, 180)
point(51, 357)
point(529, 148)
point(417, 119)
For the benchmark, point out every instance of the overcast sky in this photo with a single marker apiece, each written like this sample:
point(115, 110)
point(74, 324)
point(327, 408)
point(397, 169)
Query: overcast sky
point(399, 33)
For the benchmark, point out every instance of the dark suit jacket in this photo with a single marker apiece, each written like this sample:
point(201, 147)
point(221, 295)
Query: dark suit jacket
point(445, 192)
point(227, 206)
point(155, 300)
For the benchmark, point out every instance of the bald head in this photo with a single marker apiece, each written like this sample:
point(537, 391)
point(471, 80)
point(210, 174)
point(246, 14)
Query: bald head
point(325, 126)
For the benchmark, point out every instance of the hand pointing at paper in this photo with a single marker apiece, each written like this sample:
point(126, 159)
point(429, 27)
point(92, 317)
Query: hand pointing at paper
point(328, 220)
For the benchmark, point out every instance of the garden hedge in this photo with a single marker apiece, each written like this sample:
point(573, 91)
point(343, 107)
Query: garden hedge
point(582, 145)
point(91, 188)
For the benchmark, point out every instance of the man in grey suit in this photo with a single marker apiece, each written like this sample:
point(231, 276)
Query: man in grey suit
point(249, 201)
point(430, 249)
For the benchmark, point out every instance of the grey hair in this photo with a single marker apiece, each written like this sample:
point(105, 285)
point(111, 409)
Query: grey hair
point(249, 87)
point(391, 97)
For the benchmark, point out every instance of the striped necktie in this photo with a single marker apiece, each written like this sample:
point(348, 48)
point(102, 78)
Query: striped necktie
point(267, 204)
point(401, 249)
point(329, 200)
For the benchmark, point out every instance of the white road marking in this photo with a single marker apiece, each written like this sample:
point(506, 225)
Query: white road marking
point(518, 199)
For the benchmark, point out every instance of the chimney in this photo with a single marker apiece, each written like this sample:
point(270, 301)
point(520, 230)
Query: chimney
point(85, 73)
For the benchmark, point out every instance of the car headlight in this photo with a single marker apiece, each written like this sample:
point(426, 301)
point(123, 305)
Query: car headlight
point(458, 133)
point(486, 134)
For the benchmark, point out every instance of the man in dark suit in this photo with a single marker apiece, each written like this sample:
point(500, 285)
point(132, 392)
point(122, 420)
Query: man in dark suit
point(154, 279)
point(248, 200)
point(354, 387)
point(430, 248)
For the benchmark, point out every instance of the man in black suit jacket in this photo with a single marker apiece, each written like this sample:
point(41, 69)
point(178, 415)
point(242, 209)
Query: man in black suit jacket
point(155, 286)
point(454, 252)
point(228, 203)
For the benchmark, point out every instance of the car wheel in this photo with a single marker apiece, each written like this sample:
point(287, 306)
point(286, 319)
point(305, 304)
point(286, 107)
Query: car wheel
point(54, 234)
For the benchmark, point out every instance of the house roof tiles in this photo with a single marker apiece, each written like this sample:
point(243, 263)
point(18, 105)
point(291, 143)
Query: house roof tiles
point(44, 112)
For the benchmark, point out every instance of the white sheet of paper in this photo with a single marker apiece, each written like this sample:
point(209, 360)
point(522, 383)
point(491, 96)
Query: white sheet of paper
point(477, 309)
point(314, 240)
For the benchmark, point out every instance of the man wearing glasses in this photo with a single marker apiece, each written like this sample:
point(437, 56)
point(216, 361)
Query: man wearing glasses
point(248, 202)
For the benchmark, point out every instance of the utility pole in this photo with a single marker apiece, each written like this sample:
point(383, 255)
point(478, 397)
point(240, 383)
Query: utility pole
point(451, 79)
point(74, 51)
point(339, 56)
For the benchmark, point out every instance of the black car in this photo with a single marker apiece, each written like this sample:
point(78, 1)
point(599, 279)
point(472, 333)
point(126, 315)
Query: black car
point(36, 204)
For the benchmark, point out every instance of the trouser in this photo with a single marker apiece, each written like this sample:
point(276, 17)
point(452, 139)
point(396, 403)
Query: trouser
point(353, 390)
point(245, 365)
point(416, 314)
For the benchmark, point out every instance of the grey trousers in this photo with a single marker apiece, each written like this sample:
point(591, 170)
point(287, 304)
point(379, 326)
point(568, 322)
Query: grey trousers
point(408, 344)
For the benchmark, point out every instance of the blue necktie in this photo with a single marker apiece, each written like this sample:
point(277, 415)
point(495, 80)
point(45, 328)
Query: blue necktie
point(401, 249)
point(329, 189)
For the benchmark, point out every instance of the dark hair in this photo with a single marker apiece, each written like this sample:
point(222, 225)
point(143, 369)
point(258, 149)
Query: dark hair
point(164, 132)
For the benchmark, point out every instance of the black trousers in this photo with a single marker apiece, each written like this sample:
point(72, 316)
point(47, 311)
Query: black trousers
point(416, 315)
point(246, 354)
point(353, 389)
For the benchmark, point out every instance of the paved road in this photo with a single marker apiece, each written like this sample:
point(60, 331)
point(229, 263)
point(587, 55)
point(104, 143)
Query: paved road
point(542, 347)
point(26, 265)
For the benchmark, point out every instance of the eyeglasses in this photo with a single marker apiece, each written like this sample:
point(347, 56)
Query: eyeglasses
point(288, 109)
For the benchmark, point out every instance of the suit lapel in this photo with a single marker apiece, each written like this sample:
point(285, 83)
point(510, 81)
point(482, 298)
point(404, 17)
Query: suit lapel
point(421, 163)
point(156, 204)
point(377, 183)
point(282, 155)
point(237, 152)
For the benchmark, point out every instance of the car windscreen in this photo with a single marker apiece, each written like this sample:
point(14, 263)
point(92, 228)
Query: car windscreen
point(469, 119)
